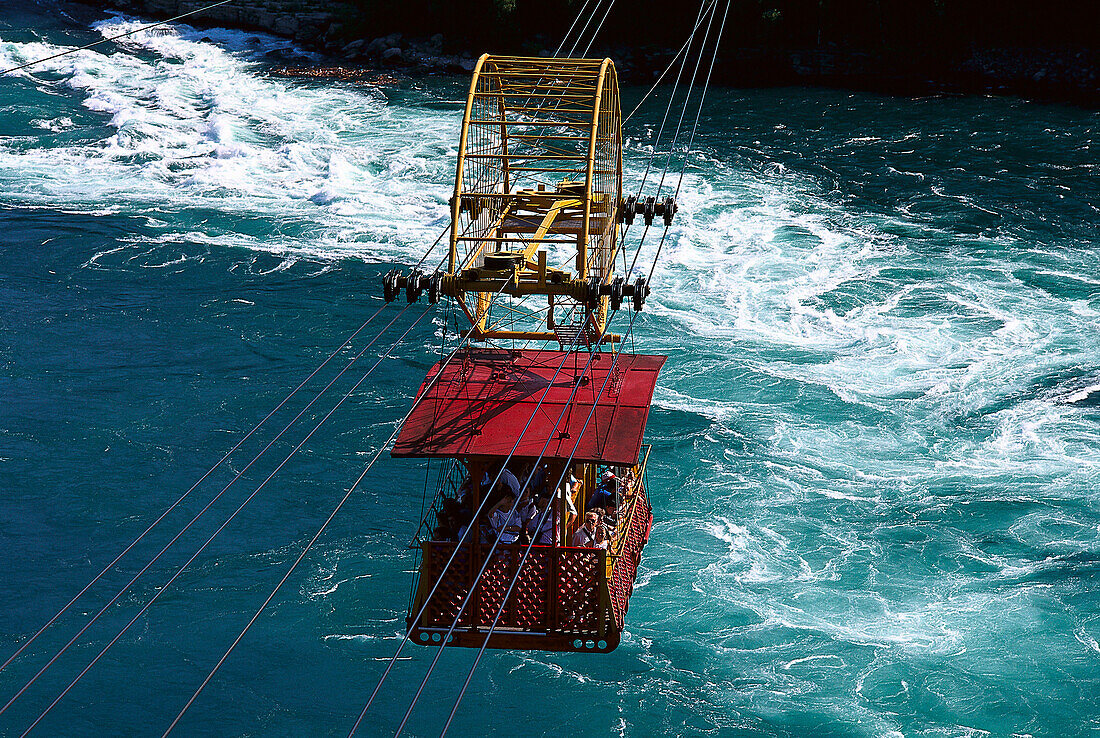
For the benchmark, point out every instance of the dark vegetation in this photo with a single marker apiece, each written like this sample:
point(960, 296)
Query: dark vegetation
point(1024, 46)
point(1028, 47)
point(926, 26)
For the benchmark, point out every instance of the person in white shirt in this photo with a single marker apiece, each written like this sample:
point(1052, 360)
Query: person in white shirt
point(592, 534)
point(506, 523)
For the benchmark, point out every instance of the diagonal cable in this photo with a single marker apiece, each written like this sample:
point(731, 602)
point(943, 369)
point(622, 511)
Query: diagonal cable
point(203, 478)
point(113, 38)
point(222, 527)
point(489, 556)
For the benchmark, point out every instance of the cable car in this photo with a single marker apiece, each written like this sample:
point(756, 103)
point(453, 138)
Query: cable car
point(535, 233)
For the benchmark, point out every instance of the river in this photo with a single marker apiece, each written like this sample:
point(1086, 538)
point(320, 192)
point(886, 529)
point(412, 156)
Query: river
point(876, 442)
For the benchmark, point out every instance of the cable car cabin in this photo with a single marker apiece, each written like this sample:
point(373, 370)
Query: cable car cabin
point(566, 422)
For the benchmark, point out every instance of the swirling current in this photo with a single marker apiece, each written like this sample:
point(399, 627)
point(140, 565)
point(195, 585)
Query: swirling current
point(875, 464)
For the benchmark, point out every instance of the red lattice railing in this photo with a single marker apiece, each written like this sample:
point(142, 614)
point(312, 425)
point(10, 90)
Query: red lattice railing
point(568, 598)
point(557, 591)
point(625, 567)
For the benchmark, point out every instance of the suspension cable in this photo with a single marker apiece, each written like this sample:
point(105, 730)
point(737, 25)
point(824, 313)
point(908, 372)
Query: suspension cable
point(706, 85)
point(114, 38)
point(446, 567)
point(182, 531)
point(676, 136)
point(618, 353)
point(203, 478)
point(515, 505)
point(184, 496)
point(202, 512)
point(672, 97)
point(476, 515)
point(530, 545)
point(667, 69)
point(570, 31)
point(222, 527)
point(431, 383)
point(687, 99)
point(219, 495)
point(547, 511)
point(595, 33)
point(591, 17)
point(691, 141)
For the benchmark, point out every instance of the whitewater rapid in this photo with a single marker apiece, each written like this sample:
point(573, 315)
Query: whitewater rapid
point(876, 470)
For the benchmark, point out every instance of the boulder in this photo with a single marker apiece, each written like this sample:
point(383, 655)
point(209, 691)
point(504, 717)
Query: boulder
point(355, 48)
point(392, 56)
point(376, 47)
point(285, 25)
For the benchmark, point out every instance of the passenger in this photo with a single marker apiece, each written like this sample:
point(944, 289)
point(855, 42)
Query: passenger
point(506, 523)
point(527, 511)
point(535, 479)
point(447, 520)
point(463, 518)
point(509, 482)
point(505, 482)
point(572, 488)
point(592, 534)
point(444, 528)
point(605, 495)
point(544, 533)
point(463, 494)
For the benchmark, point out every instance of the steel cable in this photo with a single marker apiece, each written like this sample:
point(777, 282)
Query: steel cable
point(488, 556)
point(687, 100)
point(595, 33)
point(431, 383)
point(591, 17)
point(222, 527)
point(114, 38)
point(203, 478)
point(702, 10)
point(527, 550)
point(683, 49)
point(471, 528)
point(618, 353)
point(225, 489)
point(568, 33)
point(178, 535)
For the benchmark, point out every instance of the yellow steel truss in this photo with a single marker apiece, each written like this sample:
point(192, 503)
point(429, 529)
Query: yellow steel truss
point(539, 170)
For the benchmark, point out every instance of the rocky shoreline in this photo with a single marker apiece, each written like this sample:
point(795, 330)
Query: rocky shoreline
point(1062, 74)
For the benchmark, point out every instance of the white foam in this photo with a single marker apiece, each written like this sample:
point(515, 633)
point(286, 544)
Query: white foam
point(190, 126)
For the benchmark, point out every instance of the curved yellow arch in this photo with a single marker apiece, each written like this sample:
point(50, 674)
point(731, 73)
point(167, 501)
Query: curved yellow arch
point(537, 185)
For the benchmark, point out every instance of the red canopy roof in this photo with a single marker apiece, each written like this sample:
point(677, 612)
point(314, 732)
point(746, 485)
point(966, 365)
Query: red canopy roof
point(484, 398)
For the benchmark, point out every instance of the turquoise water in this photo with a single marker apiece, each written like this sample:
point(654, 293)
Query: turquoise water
point(875, 470)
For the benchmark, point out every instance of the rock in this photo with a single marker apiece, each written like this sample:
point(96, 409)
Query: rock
point(436, 42)
point(392, 56)
point(454, 64)
point(285, 25)
point(354, 49)
point(376, 47)
point(467, 65)
point(394, 40)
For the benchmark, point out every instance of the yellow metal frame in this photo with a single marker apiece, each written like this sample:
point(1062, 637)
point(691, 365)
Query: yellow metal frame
point(539, 168)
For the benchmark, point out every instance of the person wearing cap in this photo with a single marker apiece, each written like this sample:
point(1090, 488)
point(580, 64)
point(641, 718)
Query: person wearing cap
point(605, 496)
